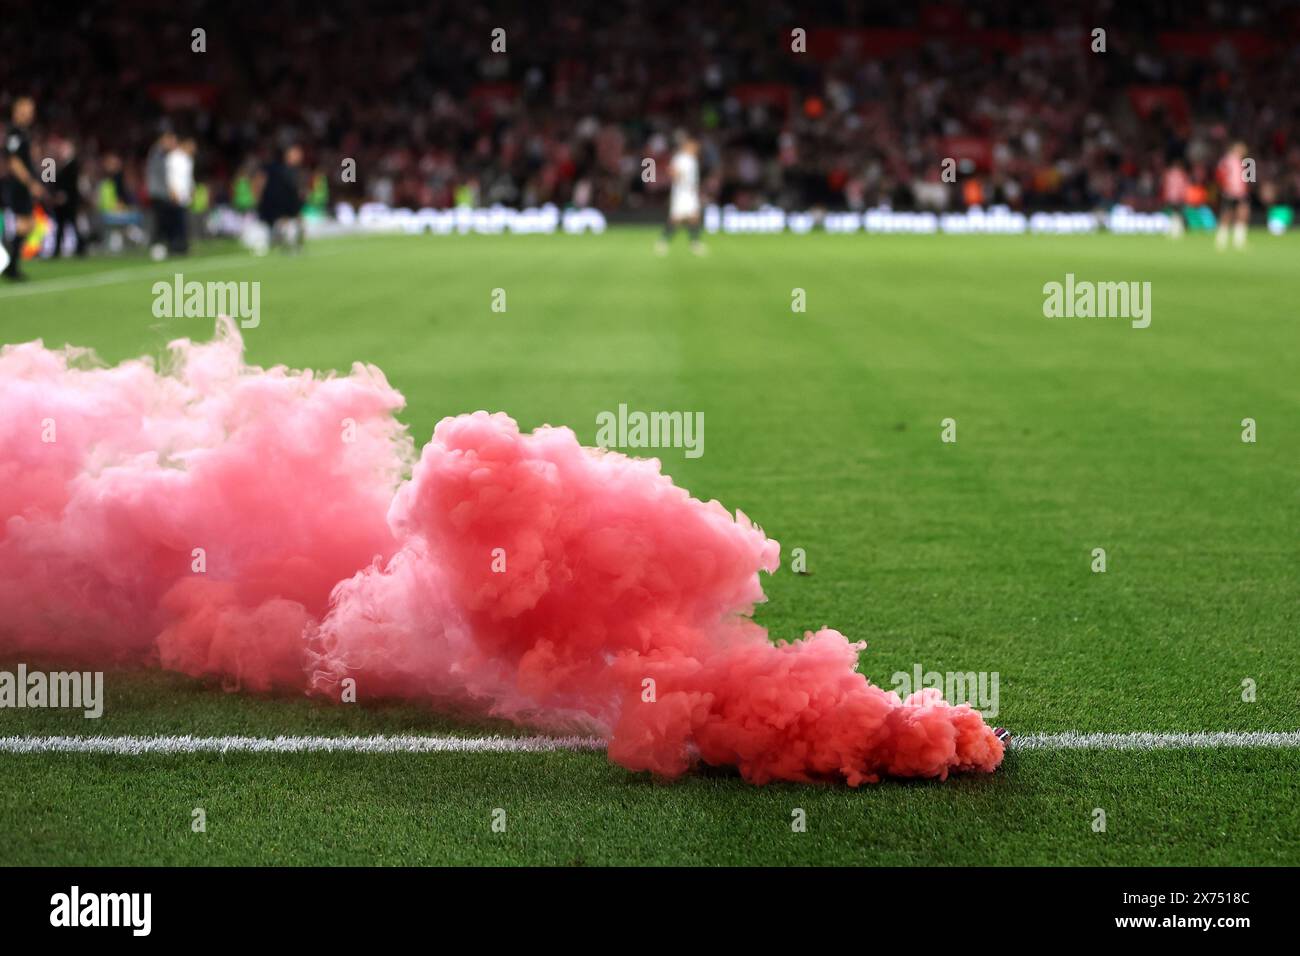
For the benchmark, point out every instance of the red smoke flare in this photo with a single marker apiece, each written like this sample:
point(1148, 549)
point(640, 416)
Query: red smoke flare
point(254, 525)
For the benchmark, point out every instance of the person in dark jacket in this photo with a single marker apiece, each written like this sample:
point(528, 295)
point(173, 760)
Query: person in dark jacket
point(160, 200)
point(280, 197)
point(65, 195)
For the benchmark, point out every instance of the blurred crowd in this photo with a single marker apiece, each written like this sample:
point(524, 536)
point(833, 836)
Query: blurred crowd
point(577, 95)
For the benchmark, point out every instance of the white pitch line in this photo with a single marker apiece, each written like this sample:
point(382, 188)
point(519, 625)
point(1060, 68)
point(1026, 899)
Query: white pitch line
point(154, 270)
point(415, 743)
point(1212, 740)
point(378, 743)
point(125, 274)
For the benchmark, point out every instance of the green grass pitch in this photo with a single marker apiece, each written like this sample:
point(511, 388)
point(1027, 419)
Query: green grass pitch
point(823, 426)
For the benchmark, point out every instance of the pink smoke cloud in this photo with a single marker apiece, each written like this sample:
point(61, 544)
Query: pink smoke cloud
point(258, 526)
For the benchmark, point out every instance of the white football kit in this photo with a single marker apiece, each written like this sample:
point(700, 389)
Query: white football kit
point(684, 203)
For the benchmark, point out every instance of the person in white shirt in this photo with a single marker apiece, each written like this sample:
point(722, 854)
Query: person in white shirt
point(180, 190)
point(684, 200)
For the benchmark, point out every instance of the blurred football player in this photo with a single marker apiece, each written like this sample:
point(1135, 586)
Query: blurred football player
point(1234, 199)
point(684, 200)
point(19, 184)
point(1174, 189)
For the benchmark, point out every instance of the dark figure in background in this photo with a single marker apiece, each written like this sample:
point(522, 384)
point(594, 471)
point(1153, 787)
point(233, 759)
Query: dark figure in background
point(280, 198)
point(19, 184)
point(155, 181)
point(66, 199)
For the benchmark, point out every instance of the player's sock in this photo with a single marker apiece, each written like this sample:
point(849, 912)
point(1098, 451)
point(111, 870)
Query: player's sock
point(1239, 235)
point(1221, 237)
point(697, 247)
point(16, 241)
point(1176, 225)
point(661, 244)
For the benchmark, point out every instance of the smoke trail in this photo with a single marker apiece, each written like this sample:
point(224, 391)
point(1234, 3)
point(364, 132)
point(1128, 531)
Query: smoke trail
point(256, 526)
